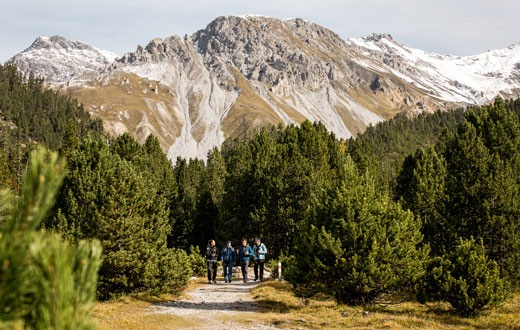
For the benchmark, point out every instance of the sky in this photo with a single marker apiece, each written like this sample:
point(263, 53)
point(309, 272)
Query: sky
point(448, 27)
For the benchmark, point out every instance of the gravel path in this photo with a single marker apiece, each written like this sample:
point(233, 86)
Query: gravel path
point(217, 306)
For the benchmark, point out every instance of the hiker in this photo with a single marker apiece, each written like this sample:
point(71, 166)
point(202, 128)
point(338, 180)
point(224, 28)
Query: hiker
point(211, 260)
point(228, 259)
point(245, 253)
point(259, 251)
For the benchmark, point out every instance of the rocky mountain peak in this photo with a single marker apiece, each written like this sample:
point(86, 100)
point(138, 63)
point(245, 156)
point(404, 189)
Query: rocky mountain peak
point(225, 33)
point(376, 37)
point(275, 52)
point(57, 42)
point(61, 61)
point(158, 50)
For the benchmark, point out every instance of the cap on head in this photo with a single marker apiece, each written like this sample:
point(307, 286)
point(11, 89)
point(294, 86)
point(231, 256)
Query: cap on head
point(228, 242)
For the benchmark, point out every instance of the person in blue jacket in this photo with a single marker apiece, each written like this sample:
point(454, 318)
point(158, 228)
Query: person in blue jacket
point(228, 259)
point(259, 251)
point(245, 253)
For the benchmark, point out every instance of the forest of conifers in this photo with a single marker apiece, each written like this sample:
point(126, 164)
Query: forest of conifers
point(395, 209)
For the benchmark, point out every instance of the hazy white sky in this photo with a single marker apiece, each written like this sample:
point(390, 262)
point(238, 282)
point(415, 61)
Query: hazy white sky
point(457, 27)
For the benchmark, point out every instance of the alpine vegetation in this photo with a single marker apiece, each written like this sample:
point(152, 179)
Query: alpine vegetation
point(46, 282)
point(357, 244)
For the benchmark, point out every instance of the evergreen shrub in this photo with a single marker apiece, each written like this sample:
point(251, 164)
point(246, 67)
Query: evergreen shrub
point(45, 282)
point(357, 244)
point(197, 261)
point(466, 278)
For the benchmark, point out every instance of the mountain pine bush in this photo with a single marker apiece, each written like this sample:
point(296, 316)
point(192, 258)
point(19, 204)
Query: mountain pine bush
point(197, 261)
point(469, 186)
point(466, 278)
point(357, 244)
point(45, 282)
point(109, 197)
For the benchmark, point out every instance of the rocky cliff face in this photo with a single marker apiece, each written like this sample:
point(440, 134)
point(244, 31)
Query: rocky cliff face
point(240, 73)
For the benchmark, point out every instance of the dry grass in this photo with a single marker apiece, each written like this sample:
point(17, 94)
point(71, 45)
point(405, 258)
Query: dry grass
point(280, 307)
point(135, 313)
point(277, 299)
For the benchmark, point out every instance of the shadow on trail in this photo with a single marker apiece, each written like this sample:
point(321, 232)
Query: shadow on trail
point(237, 288)
point(213, 306)
point(217, 297)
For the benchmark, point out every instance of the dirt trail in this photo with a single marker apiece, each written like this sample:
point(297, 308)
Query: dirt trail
point(218, 306)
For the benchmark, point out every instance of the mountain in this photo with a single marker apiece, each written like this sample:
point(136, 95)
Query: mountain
point(466, 79)
point(242, 72)
point(61, 61)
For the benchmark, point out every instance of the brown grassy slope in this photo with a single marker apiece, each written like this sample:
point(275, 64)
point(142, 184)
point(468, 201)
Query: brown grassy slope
point(128, 103)
point(249, 111)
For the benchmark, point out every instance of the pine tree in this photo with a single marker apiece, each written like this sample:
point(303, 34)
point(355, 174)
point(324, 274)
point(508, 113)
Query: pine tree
point(39, 114)
point(357, 244)
point(113, 200)
point(239, 194)
point(272, 177)
point(188, 179)
point(466, 278)
point(210, 204)
point(421, 188)
point(45, 283)
point(127, 148)
point(483, 184)
point(160, 169)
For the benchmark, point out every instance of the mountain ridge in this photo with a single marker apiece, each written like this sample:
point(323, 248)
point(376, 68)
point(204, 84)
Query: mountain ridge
point(242, 72)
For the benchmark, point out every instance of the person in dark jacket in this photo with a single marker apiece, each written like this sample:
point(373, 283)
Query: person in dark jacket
point(228, 259)
point(245, 253)
point(211, 260)
point(259, 251)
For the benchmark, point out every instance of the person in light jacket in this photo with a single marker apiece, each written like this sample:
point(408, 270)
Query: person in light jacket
point(259, 251)
point(245, 253)
point(228, 259)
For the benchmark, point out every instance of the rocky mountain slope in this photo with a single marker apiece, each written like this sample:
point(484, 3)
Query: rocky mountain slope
point(240, 73)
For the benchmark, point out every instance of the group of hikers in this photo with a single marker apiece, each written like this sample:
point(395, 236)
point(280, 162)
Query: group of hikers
point(240, 256)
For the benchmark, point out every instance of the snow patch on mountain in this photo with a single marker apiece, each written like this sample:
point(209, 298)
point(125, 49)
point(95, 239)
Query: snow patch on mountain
point(468, 79)
point(483, 76)
point(59, 60)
